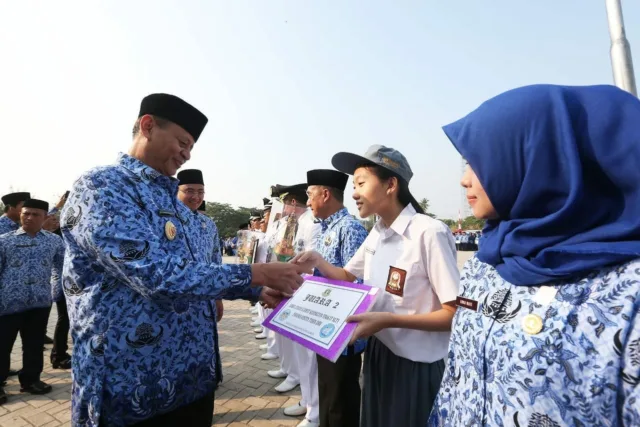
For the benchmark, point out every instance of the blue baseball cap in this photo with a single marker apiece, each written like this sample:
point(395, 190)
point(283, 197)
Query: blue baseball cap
point(386, 157)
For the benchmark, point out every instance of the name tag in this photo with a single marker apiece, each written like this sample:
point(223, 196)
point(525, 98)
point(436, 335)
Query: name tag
point(467, 303)
point(545, 295)
point(25, 245)
point(370, 251)
point(164, 212)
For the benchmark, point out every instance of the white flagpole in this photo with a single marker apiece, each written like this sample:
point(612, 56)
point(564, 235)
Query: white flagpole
point(621, 61)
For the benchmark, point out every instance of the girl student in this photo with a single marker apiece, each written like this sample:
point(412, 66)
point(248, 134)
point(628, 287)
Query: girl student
point(411, 257)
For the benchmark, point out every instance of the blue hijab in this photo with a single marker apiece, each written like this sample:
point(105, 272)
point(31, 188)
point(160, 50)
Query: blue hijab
point(561, 166)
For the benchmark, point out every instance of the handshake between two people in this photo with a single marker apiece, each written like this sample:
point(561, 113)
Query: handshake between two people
point(281, 279)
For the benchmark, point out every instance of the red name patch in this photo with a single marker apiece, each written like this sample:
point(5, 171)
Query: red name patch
point(467, 303)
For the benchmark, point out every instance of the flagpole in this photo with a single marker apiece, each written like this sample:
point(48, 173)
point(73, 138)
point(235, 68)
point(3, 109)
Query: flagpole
point(621, 61)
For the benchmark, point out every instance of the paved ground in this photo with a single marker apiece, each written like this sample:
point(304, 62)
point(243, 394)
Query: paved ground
point(245, 398)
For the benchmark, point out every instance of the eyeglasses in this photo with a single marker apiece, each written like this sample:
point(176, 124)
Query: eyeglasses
point(190, 192)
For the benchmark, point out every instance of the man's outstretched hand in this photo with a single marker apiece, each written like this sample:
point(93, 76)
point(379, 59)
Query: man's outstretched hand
point(280, 276)
point(307, 260)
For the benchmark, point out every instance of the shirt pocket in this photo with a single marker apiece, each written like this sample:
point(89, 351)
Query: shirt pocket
point(403, 287)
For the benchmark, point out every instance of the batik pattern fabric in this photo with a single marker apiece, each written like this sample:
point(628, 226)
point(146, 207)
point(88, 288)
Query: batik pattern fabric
point(56, 275)
point(27, 265)
point(581, 369)
point(208, 240)
point(139, 300)
point(7, 225)
point(57, 294)
point(340, 238)
point(204, 233)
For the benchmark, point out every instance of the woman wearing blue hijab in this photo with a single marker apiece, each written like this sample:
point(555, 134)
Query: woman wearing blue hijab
point(547, 330)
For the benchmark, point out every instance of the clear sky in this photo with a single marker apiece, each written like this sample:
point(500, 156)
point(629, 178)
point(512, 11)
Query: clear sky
point(285, 84)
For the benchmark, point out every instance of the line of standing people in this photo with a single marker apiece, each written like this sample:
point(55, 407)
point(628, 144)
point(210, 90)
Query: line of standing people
point(31, 261)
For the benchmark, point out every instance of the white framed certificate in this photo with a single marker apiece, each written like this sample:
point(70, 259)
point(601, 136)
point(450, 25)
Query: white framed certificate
point(315, 316)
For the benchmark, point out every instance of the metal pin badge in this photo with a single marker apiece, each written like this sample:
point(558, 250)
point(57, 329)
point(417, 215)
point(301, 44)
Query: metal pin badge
point(170, 230)
point(532, 324)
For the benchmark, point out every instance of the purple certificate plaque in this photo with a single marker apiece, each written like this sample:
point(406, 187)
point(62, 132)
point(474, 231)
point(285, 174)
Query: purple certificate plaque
point(315, 316)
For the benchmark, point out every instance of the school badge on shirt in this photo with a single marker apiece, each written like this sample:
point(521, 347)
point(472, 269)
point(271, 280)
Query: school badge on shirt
point(395, 281)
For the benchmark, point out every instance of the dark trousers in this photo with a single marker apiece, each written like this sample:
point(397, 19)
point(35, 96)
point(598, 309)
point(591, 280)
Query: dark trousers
point(32, 325)
point(339, 391)
point(397, 391)
point(195, 414)
point(61, 335)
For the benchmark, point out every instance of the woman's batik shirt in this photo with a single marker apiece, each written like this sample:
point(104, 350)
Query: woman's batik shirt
point(581, 369)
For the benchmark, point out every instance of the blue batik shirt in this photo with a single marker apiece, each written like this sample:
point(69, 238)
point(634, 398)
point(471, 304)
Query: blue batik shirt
point(26, 266)
point(139, 300)
point(56, 275)
point(581, 369)
point(57, 294)
point(205, 242)
point(7, 225)
point(208, 244)
point(339, 240)
point(206, 248)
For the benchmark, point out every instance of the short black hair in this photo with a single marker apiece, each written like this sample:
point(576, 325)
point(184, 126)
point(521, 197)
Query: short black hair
point(299, 199)
point(136, 126)
point(11, 205)
point(336, 193)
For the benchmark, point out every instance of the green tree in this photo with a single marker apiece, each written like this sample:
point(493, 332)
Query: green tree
point(227, 217)
point(451, 223)
point(472, 223)
point(424, 204)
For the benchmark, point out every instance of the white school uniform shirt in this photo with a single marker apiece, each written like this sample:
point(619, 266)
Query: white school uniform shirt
point(424, 248)
point(305, 238)
point(308, 232)
point(266, 244)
